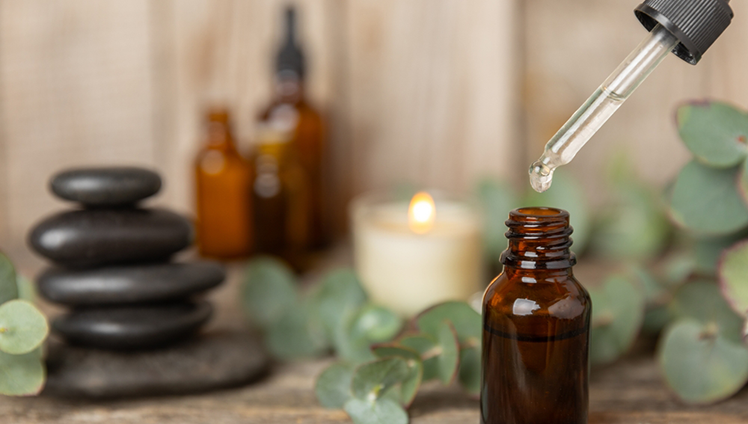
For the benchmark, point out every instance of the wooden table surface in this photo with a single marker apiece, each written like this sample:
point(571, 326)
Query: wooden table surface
point(630, 391)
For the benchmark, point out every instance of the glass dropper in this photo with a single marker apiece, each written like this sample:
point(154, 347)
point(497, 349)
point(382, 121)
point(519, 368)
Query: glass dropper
point(601, 105)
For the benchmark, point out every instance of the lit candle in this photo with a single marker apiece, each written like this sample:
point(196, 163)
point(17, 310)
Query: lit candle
point(412, 255)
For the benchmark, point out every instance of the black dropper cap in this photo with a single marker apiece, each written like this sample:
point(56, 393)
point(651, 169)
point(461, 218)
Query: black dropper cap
point(696, 23)
point(290, 57)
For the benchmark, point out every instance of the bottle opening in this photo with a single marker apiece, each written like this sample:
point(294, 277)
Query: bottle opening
point(539, 237)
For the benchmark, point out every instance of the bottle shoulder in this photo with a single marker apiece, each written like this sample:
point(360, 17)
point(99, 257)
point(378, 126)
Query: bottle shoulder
point(561, 297)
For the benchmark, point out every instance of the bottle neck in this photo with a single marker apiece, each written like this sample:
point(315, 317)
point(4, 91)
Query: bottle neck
point(539, 239)
point(218, 131)
point(289, 87)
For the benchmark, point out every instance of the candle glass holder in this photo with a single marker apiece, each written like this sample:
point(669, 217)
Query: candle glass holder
point(410, 268)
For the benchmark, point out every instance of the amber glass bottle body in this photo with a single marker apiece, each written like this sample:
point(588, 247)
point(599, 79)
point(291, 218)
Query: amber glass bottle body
point(536, 319)
point(289, 111)
point(223, 179)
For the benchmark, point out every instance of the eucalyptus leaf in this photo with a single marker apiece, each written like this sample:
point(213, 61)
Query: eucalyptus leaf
point(702, 301)
point(23, 375)
point(333, 386)
point(699, 365)
point(297, 334)
point(632, 224)
point(373, 379)
point(427, 348)
point(497, 198)
point(411, 384)
point(269, 291)
point(566, 193)
point(708, 250)
point(678, 268)
point(376, 324)
point(363, 327)
point(617, 316)
point(449, 358)
point(466, 321)
point(22, 327)
point(337, 298)
point(382, 411)
point(733, 277)
point(714, 132)
point(706, 201)
point(470, 370)
point(8, 286)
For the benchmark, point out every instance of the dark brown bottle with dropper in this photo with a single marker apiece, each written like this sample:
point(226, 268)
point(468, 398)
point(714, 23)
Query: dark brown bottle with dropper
point(536, 321)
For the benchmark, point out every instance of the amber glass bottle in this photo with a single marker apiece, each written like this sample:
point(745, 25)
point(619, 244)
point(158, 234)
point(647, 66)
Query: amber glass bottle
point(223, 179)
point(280, 198)
point(536, 321)
point(289, 110)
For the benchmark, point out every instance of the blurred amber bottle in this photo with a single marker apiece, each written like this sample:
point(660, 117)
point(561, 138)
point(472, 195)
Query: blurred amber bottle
point(223, 180)
point(289, 111)
point(280, 198)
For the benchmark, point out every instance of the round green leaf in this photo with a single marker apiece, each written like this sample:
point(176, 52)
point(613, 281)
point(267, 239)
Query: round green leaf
point(338, 296)
point(333, 386)
point(566, 193)
point(705, 200)
point(708, 250)
point(449, 358)
point(297, 334)
point(412, 383)
point(372, 380)
point(22, 327)
point(702, 301)
point(633, 224)
point(497, 198)
point(678, 268)
point(466, 321)
point(269, 291)
point(383, 411)
point(23, 375)
point(428, 350)
point(376, 324)
point(8, 285)
point(733, 277)
point(617, 314)
point(362, 327)
point(470, 370)
point(714, 132)
point(700, 366)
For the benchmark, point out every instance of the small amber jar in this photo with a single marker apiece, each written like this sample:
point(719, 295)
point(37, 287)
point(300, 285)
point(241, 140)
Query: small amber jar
point(223, 180)
point(536, 321)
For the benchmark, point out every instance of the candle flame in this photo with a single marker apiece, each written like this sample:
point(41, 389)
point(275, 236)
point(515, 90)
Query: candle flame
point(421, 213)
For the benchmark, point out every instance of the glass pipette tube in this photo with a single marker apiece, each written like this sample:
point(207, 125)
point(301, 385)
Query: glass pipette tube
point(601, 105)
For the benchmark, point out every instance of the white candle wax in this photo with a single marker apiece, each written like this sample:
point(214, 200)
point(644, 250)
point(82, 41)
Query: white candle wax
point(410, 272)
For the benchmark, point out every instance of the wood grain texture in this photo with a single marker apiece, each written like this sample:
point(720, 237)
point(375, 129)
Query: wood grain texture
point(75, 87)
point(432, 92)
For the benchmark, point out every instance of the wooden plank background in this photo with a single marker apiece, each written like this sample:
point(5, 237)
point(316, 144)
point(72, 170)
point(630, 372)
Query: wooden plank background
point(435, 92)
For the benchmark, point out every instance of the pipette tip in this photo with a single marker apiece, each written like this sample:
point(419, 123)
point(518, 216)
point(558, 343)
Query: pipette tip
point(541, 176)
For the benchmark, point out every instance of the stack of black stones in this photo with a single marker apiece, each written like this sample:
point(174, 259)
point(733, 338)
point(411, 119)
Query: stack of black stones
point(112, 264)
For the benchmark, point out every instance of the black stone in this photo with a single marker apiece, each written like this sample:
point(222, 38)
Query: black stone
point(207, 362)
point(96, 237)
point(132, 327)
point(131, 284)
point(112, 186)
